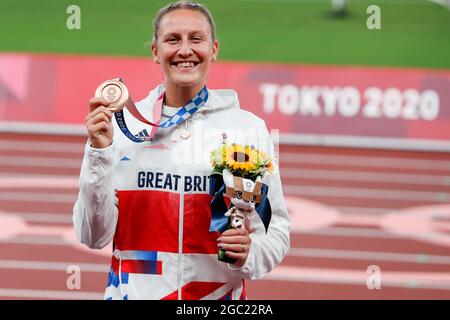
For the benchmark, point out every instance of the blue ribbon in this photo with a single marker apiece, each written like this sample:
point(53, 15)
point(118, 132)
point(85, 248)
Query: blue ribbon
point(219, 222)
point(188, 110)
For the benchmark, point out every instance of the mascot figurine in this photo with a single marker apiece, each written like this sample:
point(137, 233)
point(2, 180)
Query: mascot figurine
point(243, 194)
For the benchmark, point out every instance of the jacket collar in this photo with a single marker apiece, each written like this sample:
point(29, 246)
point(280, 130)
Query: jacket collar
point(218, 99)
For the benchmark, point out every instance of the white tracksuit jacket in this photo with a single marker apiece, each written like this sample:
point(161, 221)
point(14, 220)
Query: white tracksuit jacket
point(151, 199)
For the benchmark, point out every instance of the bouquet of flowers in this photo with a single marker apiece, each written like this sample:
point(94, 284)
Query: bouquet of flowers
point(241, 160)
point(242, 168)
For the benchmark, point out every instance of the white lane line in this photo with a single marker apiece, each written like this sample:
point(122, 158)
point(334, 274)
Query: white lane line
point(363, 210)
point(364, 142)
point(30, 161)
point(369, 255)
point(52, 266)
point(341, 175)
point(416, 280)
point(43, 217)
point(330, 232)
point(334, 192)
point(58, 147)
point(51, 294)
point(47, 162)
point(37, 197)
point(365, 193)
point(42, 176)
point(43, 128)
point(285, 157)
point(35, 240)
point(23, 181)
point(365, 161)
point(349, 232)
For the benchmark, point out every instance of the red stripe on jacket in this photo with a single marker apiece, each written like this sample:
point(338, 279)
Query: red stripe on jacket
point(148, 220)
point(197, 218)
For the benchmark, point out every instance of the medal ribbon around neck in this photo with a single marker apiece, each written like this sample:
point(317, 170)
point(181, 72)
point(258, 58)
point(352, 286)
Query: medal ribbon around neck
point(184, 113)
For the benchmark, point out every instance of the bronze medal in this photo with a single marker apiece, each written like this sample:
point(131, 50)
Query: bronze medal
point(116, 93)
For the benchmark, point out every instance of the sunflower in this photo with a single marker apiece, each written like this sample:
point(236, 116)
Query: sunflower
point(241, 160)
point(241, 157)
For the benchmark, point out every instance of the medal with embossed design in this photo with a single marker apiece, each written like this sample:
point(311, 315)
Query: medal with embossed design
point(116, 93)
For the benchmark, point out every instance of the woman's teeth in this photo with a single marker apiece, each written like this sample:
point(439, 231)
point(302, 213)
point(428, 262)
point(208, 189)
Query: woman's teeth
point(185, 65)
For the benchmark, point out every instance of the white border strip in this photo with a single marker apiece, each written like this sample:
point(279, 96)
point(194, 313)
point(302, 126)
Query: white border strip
point(365, 142)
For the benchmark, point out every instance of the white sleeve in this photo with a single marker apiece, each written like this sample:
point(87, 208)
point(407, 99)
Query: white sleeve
point(267, 250)
point(95, 213)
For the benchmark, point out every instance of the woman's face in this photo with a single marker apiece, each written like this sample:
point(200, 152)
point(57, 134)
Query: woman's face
point(184, 48)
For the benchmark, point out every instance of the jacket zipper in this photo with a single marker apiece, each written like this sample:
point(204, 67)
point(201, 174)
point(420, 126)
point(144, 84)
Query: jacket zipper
point(180, 238)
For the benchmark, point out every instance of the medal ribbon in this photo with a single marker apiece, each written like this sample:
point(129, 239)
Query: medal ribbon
point(184, 113)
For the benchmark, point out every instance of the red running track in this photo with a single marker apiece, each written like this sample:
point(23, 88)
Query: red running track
point(354, 212)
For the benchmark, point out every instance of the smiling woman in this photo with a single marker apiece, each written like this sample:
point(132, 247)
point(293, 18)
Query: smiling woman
point(160, 214)
point(185, 45)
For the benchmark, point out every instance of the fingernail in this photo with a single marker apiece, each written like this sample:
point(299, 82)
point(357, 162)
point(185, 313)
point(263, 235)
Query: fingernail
point(219, 239)
point(220, 245)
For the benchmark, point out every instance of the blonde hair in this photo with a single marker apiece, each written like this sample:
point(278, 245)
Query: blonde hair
point(190, 5)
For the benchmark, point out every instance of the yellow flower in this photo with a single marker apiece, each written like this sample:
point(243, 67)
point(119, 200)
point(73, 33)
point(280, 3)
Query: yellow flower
point(269, 166)
point(241, 160)
point(262, 156)
point(241, 157)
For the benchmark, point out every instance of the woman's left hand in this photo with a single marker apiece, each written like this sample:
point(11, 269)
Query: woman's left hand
point(236, 243)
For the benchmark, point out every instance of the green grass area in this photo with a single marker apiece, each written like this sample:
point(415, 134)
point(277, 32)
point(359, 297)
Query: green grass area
point(414, 32)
